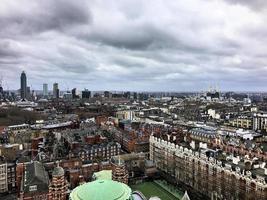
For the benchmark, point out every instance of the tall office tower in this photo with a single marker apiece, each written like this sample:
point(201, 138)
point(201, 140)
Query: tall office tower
point(86, 94)
point(45, 89)
point(28, 93)
point(23, 85)
point(55, 91)
point(74, 93)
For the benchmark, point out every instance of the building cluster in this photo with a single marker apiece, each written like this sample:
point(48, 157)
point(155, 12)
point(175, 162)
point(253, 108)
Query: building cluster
point(69, 143)
point(208, 172)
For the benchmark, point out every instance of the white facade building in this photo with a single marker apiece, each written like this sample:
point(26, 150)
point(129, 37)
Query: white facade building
point(3, 177)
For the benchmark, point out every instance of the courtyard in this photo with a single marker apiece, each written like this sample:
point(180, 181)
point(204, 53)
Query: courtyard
point(159, 189)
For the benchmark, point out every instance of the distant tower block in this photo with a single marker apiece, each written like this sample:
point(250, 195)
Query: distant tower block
point(119, 172)
point(55, 91)
point(45, 89)
point(23, 86)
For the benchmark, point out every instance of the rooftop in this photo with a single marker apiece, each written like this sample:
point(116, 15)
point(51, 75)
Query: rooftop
point(103, 175)
point(35, 175)
point(102, 189)
point(58, 171)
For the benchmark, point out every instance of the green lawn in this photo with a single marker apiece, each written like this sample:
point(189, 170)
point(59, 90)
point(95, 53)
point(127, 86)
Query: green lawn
point(150, 189)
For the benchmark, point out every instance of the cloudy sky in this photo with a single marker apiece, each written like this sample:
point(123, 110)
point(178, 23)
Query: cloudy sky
point(144, 45)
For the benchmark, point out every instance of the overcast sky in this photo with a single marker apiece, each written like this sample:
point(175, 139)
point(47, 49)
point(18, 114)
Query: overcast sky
point(144, 45)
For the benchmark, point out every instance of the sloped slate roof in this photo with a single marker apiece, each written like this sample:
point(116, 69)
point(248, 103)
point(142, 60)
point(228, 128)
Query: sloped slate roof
point(35, 175)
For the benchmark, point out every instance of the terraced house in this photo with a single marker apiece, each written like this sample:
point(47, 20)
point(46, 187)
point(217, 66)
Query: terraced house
point(207, 173)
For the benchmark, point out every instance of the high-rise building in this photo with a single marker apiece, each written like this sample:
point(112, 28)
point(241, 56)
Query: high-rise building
point(28, 93)
point(23, 85)
point(135, 95)
point(74, 93)
point(67, 95)
point(86, 94)
point(55, 91)
point(127, 95)
point(45, 89)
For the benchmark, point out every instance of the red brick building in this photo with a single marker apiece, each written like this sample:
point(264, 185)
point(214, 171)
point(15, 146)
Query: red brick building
point(58, 186)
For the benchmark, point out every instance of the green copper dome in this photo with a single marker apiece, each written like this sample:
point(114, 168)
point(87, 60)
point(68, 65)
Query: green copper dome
point(102, 190)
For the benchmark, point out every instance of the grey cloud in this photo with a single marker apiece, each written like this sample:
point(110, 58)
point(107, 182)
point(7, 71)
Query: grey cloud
point(8, 49)
point(134, 37)
point(129, 62)
point(132, 45)
point(254, 4)
point(44, 15)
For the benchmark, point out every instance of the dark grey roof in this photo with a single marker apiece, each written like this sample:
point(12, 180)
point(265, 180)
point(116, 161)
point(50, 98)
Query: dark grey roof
point(35, 175)
point(203, 132)
point(259, 171)
point(23, 159)
point(8, 196)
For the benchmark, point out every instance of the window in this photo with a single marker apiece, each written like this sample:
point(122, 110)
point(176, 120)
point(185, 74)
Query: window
point(33, 188)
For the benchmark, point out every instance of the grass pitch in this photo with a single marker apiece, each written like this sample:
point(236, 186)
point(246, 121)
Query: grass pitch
point(150, 189)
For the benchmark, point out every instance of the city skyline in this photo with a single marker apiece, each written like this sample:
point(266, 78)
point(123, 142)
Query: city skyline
point(133, 100)
point(130, 46)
